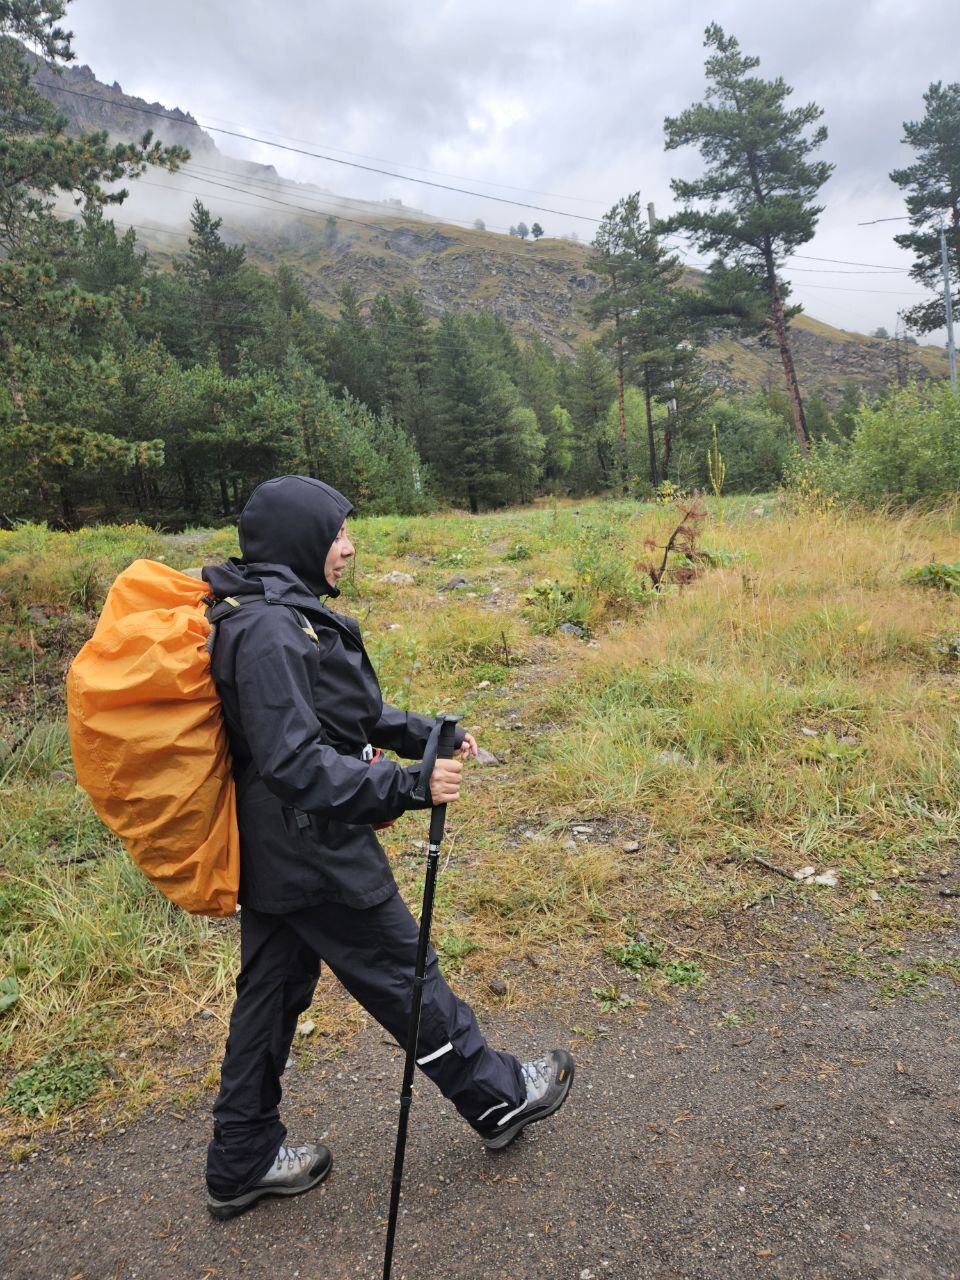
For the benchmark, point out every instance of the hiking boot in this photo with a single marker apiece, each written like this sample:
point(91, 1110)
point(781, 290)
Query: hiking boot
point(295, 1170)
point(548, 1082)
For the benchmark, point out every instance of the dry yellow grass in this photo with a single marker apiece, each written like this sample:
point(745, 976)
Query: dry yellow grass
point(790, 705)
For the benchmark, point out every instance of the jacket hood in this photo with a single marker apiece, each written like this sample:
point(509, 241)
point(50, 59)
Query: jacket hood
point(293, 521)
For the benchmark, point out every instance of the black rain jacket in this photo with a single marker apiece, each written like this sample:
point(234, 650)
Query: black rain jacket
point(299, 711)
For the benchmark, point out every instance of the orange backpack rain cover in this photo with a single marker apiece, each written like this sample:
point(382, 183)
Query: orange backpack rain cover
point(148, 738)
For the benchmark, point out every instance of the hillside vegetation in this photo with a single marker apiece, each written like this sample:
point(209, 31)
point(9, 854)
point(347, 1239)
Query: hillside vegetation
point(539, 287)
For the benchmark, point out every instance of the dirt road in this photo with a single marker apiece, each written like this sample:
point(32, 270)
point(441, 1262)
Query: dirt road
point(768, 1129)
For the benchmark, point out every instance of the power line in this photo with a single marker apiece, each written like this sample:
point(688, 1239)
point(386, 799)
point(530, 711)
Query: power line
point(424, 182)
point(257, 195)
point(143, 226)
point(373, 207)
point(845, 263)
point(441, 173)
point(378, 206)
point(827, 271)
point(316, 155)
point(839, 288)
point(317, 213)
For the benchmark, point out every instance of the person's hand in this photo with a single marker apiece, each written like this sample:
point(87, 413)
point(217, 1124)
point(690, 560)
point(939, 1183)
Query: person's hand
point(468, 748)
point(445, 781)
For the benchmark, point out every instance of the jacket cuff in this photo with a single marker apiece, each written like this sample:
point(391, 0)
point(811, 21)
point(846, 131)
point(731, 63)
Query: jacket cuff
point(412, 773)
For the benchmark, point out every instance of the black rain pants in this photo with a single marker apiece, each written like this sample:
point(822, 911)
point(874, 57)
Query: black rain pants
point(373, 953)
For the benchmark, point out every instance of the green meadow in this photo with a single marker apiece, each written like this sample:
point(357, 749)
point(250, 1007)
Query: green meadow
point(666, 760)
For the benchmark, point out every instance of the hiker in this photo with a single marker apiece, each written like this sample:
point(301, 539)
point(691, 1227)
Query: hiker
point(303, 709)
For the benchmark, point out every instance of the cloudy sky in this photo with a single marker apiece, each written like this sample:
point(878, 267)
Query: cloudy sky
point(559, 105)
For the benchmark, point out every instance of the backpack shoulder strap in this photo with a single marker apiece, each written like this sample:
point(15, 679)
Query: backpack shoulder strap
point(222, 608)
point(304, 624)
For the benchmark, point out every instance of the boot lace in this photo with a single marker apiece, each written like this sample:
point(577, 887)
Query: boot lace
point(292, 1157)
point(537, 1077)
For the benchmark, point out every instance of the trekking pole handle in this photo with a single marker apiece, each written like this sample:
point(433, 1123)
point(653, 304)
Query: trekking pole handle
point(445, 745)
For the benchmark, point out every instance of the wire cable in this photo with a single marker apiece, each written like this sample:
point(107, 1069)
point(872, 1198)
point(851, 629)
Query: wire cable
point(316, 155)
point(373, 207)
point(440, 173)
point(236, 133)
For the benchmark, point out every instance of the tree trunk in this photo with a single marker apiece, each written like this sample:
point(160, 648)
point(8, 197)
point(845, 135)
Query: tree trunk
point(139, 487)
point(622, 424)
point(189, 489)
point(223, 351)
point(668, 440)
point(224, 495)
point(778, 323)
point(604, 468)
point(621, 400)
point(651, 441)
point(67, 506)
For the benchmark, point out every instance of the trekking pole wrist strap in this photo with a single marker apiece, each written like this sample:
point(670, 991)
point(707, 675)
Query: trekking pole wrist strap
point(439, 747)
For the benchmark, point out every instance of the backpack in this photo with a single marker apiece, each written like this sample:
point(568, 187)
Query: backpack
point(148, 739)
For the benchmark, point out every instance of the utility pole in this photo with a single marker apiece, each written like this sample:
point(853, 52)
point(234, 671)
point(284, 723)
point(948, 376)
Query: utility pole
point(948, 303)
point(947, 299)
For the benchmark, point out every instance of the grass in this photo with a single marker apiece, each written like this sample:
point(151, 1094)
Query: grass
point(799, 703)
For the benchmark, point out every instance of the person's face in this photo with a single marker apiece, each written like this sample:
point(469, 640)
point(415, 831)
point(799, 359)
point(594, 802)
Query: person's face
point(340, 552)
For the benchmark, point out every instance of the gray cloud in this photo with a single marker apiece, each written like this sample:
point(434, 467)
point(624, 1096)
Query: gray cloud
point(567, 99)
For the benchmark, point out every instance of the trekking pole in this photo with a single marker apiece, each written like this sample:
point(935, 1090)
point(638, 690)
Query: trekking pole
point(444, 751)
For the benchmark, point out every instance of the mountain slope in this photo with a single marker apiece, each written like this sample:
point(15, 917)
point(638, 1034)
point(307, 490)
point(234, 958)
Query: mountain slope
point(539, 287)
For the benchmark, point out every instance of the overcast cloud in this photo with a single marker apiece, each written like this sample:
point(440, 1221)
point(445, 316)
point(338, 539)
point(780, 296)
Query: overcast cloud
point(566, 99)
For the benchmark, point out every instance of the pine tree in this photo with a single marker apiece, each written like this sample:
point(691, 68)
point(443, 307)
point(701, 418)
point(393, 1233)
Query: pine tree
point(933, 186)
point(590, 392)
point(414, 356)
point(351, 359)
point(308, 328)
point(216, 290)
point(387, 370)
point(51, 386)
point(538, 384)
point(649, 313)
point(483, 453)
point(759, 187)
point(225, 432)
point(608, 308)
point(107, 262)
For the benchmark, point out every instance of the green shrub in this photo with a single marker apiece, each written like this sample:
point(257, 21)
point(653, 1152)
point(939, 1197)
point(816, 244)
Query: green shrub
point(551, 604)
point(905, 448)
point(684, 973)
point(939, 576)
point(752, 438)
point(494, 672)
point(640, 956)
point(454, 949)
point(519, 551)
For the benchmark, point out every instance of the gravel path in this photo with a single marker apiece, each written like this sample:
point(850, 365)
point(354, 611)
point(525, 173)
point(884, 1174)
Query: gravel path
point(817, 1138)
